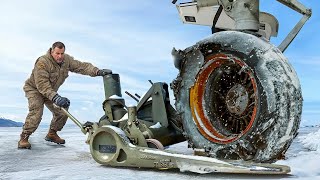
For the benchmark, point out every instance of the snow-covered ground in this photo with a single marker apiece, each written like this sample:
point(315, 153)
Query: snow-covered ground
point(73, 160)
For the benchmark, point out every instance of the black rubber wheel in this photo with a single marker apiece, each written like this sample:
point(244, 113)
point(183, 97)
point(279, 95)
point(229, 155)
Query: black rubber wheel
point(239, 98)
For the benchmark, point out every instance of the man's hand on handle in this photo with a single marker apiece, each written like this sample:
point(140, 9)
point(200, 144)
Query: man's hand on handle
point(61, 101)
point(103, 72)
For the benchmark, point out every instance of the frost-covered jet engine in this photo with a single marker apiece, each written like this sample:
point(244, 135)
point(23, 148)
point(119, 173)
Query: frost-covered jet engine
point(237, 94)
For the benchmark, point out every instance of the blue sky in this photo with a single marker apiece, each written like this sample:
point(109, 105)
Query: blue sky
point(134, 39)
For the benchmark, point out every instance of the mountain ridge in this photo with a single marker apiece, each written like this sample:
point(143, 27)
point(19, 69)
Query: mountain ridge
point(9, 123)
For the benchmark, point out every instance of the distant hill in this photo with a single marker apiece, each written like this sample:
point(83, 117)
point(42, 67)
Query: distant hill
point(9, 123)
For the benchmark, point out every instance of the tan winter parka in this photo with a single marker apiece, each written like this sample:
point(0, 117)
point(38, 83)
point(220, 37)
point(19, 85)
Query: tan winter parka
point(47, 75)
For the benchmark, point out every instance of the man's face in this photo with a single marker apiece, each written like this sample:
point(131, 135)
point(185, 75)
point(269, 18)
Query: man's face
point(58, 54)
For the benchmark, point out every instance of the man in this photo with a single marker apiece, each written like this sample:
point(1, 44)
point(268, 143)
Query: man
point(49, 73)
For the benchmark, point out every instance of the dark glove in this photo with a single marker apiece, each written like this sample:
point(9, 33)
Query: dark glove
point(103, 72)
point(61, 101)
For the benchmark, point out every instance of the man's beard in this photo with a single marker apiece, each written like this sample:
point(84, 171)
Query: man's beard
point(60, 62)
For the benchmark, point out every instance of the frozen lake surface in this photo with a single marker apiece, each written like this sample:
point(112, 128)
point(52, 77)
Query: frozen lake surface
point(73, 160)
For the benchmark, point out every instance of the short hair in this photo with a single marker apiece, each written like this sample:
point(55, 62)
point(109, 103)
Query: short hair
point(58, 44)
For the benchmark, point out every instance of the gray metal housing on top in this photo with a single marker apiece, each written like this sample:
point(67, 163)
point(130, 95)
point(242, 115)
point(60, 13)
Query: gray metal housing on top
point(245, 15)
